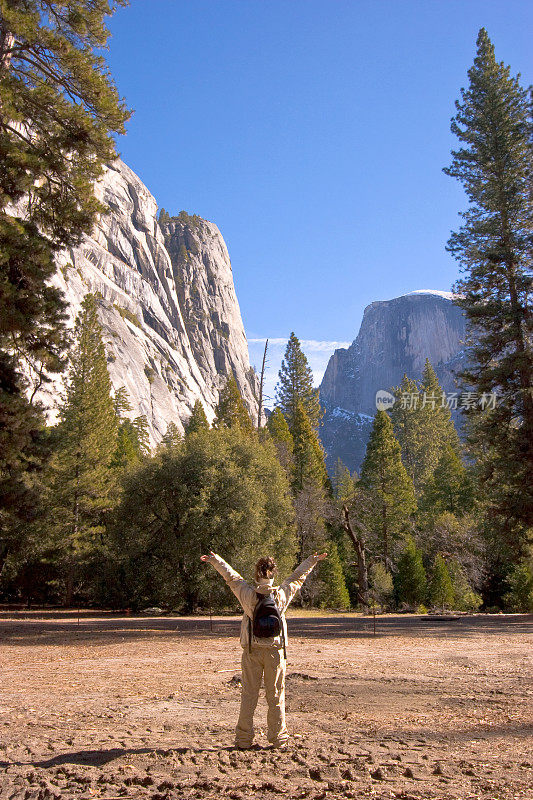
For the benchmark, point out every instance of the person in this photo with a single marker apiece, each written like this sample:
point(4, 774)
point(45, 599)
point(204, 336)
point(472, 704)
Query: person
point(263, 656)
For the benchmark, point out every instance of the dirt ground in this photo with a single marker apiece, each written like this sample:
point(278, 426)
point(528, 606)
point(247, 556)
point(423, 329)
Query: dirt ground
point(127, 707)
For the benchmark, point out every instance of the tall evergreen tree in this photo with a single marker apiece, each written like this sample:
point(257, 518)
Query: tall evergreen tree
point(82, 485)
point(309, 466)
point(342, 482)
point(493, 246)
point(406, 420)
point(172, 437)
point(282, 438)
point(230, 409)
point(296, 386)
point(423, 425)
point(439, 427)
point(311, 489)
point(133, 441)
point(334, 593)
point(410, 582)
point(197, 420)
point(57, 109)
point(448, 489)
point(384, 476)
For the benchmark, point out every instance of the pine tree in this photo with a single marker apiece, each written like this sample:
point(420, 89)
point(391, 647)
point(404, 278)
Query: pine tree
point(439, 429)
point(342, 482)
point(59, 110)
point(440, 590)
point(82, 485)
point(282, 438)
point(311, 490)
point(423, 425)
point(197, 420)
point(493, 247)
point(384, 476)
point(410, 581)
point(406, 420)
point(279, 430)
point(296, 386)
point(58, 107)
point(230, 409)
point(334, 593)
point(519, 598)
point(464, 597)
point(133, 440)
point(172, 437)
point(24, 447)
point(448, 489)
point(309, 466)
point(164, 217)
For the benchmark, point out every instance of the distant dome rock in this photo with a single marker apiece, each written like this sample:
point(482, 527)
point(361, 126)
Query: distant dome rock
point(395, 338)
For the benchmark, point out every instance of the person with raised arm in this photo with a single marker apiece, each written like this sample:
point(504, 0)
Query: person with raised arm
point(264, 641)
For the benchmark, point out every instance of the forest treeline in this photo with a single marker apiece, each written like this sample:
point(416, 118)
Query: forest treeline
point(116, 525)
point(88, 514)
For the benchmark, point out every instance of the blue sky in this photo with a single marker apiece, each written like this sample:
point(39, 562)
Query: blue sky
point(314, 135)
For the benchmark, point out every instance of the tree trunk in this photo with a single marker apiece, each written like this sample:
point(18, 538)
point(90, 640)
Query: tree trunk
point(69, 582)
point(358, 541)
point(4, 552)
point(261, 383)
point(520, 318)
point(7, 40)
point(385, 537)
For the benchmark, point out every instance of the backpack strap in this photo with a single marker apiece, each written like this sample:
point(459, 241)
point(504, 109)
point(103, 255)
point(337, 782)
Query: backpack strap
point(282, 628)
point(258, 597)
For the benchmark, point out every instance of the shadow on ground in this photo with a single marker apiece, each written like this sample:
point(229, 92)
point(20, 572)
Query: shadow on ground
point(63, 628)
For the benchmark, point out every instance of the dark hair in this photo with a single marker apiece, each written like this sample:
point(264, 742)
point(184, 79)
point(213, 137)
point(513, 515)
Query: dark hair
point(265, 567)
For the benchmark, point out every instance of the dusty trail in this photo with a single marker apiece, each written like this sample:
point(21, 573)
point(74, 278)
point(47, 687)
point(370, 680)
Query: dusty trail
point(146, 707)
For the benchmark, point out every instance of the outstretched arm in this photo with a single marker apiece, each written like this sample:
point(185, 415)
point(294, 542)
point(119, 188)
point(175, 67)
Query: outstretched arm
point(242, 590)
point(295, 581)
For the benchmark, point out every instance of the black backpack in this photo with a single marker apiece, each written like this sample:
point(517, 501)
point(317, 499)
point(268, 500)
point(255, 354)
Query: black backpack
point(266, 622)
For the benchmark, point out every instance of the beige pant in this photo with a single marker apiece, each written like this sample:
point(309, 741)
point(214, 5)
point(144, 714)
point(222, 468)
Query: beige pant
point(270, 662)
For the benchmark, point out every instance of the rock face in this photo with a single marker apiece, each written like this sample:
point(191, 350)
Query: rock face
point(167, 305)
point(396, 337)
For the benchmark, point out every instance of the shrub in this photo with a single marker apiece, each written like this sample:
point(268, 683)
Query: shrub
point(150, 373)
point(381, 584)
point(440, 591)
point(520, 596)
point(465, 598)
point(125, 313)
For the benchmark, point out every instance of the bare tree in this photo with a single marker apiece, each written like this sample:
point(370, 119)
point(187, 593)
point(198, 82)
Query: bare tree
point(261, 382)
point(359, 536)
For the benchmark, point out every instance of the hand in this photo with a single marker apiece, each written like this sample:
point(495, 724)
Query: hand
point(320, 556)
point(207, 558)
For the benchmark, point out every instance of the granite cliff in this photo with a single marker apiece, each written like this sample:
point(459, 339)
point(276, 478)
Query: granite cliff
point(167, 305)
point(396, 336)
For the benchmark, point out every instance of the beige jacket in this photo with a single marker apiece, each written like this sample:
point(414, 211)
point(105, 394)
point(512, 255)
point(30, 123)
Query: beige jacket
point(246, 595)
